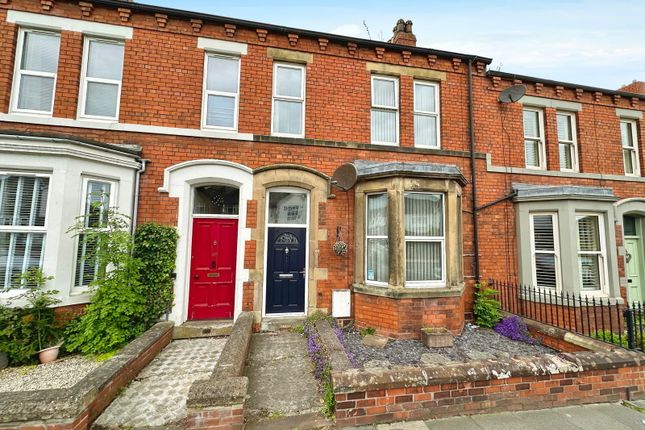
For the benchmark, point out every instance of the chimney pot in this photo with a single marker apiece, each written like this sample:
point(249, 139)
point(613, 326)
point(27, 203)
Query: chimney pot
point(403, 33)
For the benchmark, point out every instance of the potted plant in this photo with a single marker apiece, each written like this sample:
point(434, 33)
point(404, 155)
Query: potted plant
point(436, 337)
point(42, 317)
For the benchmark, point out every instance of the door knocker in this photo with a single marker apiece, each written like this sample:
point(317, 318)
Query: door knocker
point(628, 257)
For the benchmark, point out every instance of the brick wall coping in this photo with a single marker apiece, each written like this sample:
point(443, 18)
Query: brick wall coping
point(356, 380)
point(410, 293)
point(567, 336)
point(336, 351)
point(67, 403)
point(226, 386)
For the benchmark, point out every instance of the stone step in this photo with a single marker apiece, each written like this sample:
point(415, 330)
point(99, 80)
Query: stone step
point(310, 421)
point(281, 324)
point(206, 328)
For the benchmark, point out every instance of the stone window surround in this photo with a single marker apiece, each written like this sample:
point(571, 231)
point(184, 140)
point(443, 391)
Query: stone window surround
point(567, 209)
point(396, 187)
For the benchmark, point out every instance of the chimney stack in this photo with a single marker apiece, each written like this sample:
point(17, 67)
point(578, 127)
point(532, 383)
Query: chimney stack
point(636, 87)
point(403, 34)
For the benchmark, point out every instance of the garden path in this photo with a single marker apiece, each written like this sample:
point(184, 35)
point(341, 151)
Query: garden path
point(157, 396)
point(282, 390)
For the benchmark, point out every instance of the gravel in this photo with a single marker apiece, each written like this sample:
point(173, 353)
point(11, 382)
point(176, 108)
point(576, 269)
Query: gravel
point(474, 343)
point(62, 373)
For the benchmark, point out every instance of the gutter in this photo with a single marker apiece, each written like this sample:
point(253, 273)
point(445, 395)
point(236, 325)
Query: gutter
point(178, 13)
point(473, 177)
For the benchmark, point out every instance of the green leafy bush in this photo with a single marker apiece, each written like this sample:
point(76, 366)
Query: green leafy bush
point(367, 331)
point(155, 246)
point(608, 336)
point(114, 316)
point(486, 307)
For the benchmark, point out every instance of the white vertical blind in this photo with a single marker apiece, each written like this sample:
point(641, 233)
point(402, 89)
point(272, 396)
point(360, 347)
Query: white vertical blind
point(23, 208)
point(630, 147)
point(426, 114)
point(37, 72)
point(222, 91)
point(385, 106)
point(545, 250)
point(533, 139)
point(288, 99)
point(102, 80)
point(567, 141)
point(590, 252)
point(95, 211)
point(424, 237)
point(376, 228)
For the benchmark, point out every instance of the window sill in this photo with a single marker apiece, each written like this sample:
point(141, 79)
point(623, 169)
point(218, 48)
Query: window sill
point(410, 293)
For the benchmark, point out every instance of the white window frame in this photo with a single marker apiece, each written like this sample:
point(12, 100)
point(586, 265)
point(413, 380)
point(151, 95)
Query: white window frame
point(434, 239)
point(85, 79)
point(18, 73)
point(29, 229)
point(206, 92)
point(573, 143)
point(394, 109)
point(540, 141)
point(367, 237)
point(435, 114)
point(555, 252)
point(79, 289)
point(633, 149)
point(302, 100)
point(603, 265)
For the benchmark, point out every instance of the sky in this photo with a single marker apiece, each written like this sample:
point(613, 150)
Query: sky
point(599, 43)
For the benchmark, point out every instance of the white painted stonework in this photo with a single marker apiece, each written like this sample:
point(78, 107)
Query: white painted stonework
point(67, 163)
point(179, 182)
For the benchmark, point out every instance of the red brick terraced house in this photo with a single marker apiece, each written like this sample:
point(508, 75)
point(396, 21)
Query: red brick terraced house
point(232, 130)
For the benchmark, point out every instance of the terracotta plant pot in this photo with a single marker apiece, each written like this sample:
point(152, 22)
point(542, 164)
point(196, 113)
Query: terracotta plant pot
point(437, 337)
point(48, 355)
point(4, 360)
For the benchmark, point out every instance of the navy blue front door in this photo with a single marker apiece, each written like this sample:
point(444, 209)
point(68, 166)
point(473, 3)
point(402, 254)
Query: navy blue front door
point(286, 270)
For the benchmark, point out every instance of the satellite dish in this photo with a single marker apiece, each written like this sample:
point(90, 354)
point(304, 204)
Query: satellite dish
point(345, 177)
point(512, 94)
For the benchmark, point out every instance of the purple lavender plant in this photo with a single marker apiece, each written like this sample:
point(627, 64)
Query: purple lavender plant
point(514, 328)
point(340, 334)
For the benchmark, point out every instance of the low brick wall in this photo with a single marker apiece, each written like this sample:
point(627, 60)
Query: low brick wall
point(218, 402)
point(77, 407)
point(366, 396)
point(403, 318)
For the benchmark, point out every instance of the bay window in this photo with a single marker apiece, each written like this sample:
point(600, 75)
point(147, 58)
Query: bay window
point(23, 215)
point(630, 147)
point(96, 203)
point(424, 238)
point(534, 148)
point(221, 92)
point(36, 71)
point(567, 141)
point(101, 79)
point(426, 114)
point(376, 239)
point(288, 100)
point(546, 250)
point(385, 110)
point(591, 252)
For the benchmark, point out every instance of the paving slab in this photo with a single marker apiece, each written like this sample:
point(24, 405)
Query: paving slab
point(157, 396)
point(280, 379)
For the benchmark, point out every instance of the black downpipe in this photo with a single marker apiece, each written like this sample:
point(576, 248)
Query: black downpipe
point(471, 115)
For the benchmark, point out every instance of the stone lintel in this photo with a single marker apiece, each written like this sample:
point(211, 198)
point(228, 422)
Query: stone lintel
point(290, 56)
point(409, 293)
point(416, 72)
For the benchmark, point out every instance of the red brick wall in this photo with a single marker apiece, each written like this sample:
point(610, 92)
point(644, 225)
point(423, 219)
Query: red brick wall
point(499, 395)
point(404, 318)
point(221, 418)
point(162, 86)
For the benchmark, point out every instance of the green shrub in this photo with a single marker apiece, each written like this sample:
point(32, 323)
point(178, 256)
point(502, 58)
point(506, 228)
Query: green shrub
point(155, 246)
point(114, 316)
point(367, 331)
point(608, 336)
point(486, 307)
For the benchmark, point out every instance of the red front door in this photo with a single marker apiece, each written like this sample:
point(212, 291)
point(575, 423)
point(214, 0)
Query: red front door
point(212, 269)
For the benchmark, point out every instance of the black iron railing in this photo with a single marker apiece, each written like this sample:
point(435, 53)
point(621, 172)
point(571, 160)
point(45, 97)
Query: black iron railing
point(607, 319)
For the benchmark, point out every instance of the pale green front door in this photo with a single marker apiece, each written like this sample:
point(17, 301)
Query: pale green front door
point(634, 261)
